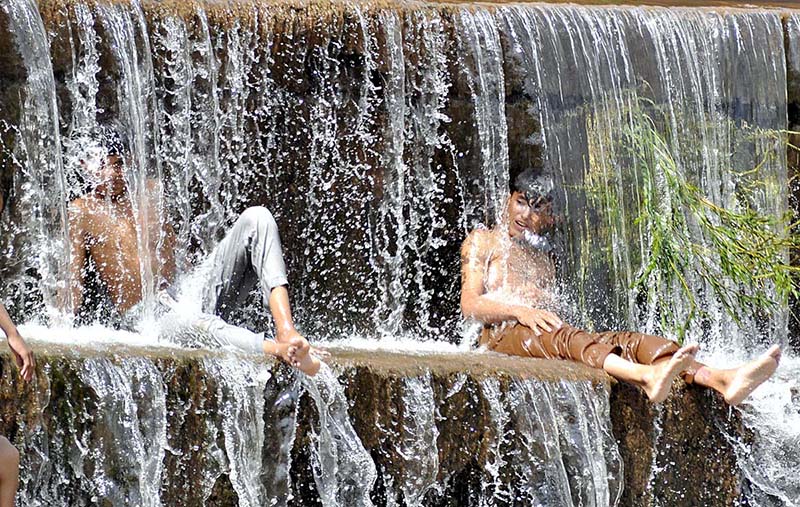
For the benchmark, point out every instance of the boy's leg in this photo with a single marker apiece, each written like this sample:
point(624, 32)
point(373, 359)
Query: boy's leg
point(736, 384)
point(249, 254)
point(220, 334)
point(566, 342)
point(639, 347)
point(655, 380)
point(571, 343)
point(215, 333)
point(9, 473)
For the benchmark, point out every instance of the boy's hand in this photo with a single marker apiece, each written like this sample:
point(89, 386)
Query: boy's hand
point(23, 355)
point(538, 320)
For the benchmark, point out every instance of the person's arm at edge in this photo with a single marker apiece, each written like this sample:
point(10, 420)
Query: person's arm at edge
point(477, 305)
point(23, 355)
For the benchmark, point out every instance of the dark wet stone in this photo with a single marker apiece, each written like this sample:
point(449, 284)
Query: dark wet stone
point(682, 439)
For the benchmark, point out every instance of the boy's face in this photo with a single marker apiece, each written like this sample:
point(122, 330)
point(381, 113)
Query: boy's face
point(534, 215)
point(105, 173)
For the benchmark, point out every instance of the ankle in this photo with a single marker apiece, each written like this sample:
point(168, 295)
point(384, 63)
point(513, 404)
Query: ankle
point(284, 334)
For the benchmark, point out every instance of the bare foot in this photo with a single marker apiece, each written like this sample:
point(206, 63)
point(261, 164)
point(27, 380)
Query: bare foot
point(658, 382)
point(320, 353)
point(286, 351)
point(301, 353)
point(309, 365)
point(297, 357)
point(302, 358)
point(751, 375)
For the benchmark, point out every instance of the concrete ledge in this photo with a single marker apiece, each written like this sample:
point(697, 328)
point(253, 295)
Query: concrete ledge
point(68, 428)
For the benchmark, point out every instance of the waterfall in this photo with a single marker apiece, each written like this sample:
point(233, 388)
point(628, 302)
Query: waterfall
point(343, 470)
point(115, 446)
point(555, 460)
point(211, 105)
point(241, 418)
point(379, 137)
point(713, 77)
point(40, 215)
point(418, 449)
point(716, 78)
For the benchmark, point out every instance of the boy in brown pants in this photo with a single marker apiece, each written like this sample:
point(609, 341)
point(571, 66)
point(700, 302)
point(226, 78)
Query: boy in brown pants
point(507, 282)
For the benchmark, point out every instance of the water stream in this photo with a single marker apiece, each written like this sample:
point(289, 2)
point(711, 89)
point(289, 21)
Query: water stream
point(379, 138)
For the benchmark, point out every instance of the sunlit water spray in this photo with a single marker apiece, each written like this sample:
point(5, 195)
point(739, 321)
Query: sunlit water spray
point(352, 137)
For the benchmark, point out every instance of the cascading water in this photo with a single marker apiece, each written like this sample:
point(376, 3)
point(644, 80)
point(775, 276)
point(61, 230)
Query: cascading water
point(343, 470)
point(574, 469)
point(716, 78)
point(378, 138)
point(37, 155)
point(418, 441)
point(128, 39)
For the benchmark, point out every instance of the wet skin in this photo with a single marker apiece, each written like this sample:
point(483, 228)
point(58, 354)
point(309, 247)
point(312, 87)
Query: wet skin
point(102, 229)
point(495, 269)
point(504, 281)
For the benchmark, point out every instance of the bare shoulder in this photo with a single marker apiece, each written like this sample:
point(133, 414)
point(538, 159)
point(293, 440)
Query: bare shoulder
point(478, 244)
point(78, 209)
point(83, 210)
point(82, 205)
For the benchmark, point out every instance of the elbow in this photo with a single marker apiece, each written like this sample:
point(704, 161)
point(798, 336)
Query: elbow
point(468, 307)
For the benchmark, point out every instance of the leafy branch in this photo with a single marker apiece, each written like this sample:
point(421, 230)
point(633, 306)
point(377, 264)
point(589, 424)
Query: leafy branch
point(739, 252)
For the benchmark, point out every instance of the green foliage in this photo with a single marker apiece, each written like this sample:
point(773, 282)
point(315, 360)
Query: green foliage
point(692, 244)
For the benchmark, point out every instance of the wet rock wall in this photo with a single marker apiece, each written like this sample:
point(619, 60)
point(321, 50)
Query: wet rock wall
point(125, 426)
point(362, 126)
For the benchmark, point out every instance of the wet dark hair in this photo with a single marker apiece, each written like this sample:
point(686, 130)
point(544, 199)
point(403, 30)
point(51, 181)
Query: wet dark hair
point(112, 138)
point(533, 184)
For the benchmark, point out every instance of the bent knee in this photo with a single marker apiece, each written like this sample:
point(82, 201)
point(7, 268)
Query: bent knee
point(258, 216)
point(9, 455)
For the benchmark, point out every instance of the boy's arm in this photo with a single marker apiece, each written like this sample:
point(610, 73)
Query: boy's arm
point(22, 352)
point(476, 304)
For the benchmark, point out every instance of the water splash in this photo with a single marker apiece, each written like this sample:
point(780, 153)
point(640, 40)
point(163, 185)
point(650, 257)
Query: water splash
point(343, 470)
point(561, 452)
point(418, 448)
point(364, 126)
point(770, 458)
point(40, 216)
point(495, 491)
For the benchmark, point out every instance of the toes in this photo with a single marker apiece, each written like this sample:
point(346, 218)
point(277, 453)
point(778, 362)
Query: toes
point(320, 353)
point(687, 352)
point(775, 353)
point(301, 345)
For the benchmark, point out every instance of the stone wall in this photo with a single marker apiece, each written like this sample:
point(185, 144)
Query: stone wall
point(68, 427)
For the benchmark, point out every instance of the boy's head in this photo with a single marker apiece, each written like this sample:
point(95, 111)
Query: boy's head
point(530, 204)
point(534, 185)
point(114, 142)
point(103, 160)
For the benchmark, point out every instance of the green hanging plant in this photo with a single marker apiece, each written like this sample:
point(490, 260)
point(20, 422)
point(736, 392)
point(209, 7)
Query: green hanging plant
point(741, 254)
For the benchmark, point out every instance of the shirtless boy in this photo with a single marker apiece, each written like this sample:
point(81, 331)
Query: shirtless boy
point(507, 283)
point(102, 229)
point(9, 456)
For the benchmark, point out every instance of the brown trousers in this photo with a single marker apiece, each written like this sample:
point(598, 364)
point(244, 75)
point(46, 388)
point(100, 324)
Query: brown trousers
point(572, 343)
